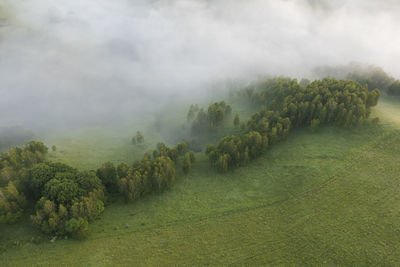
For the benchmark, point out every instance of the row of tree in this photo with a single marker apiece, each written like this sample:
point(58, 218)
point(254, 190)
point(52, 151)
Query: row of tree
point(290, 105)
point(154, 174)
point(234, 151)
point(369, 75)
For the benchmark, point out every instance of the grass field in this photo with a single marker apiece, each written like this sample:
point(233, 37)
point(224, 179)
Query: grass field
point(324, 198)
point(88, 148)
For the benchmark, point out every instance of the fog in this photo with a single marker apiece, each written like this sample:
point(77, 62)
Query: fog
point(83, 62)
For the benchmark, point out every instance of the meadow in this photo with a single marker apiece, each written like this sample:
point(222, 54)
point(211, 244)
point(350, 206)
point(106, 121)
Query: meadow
point(324, 198)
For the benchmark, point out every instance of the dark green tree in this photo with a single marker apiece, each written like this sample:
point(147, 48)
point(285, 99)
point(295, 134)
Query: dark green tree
point(163, 173)
point(62, 190)
point(40, 174)
point(78, 228)
point(108, 175)
point(12, 204)
point(138, 138)
point(394, 88)
point(123, 170)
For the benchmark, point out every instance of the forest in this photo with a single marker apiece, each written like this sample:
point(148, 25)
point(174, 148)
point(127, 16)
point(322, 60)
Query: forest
point(67, 200)
point(285, 105)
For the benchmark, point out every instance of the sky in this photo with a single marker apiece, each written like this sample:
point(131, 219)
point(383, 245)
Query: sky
point(83, 62)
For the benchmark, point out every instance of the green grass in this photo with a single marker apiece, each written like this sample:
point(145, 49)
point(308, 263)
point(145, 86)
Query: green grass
point(88, 148)
point(324, 198)
point(388, 110)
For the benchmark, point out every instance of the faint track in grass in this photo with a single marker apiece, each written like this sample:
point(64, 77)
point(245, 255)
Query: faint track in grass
point(261, 234)
point(352, 159)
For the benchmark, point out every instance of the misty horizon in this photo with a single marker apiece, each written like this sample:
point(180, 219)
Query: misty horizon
point(87, 62)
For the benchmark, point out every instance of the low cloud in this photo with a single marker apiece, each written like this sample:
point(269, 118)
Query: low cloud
point(74, 62)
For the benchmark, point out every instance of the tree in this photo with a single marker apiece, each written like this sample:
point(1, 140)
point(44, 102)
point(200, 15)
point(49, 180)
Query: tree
point(35, 146)
point(216, 113)
point(40, 174)
point(78, 228)
point(163, 173)
point(373, 98)
point(61, 167)
point(123, 170)
point(182, 148)
point(12, 204)
point(89, 207)
point(255, 143)
point(200, 123)
point(50, 218)
point(127, 187)
point(108, 176)
point(223, 163)
point(62, 190)
point(138, 138)
point(173, 154)
point(156, 173)
point(236, 120)
point(54, 148)
point(88, 181)
point(394, 88)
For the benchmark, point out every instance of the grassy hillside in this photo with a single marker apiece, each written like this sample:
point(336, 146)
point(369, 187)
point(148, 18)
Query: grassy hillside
point(329, 197)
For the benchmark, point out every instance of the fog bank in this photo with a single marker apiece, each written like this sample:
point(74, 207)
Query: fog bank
point(82, 62)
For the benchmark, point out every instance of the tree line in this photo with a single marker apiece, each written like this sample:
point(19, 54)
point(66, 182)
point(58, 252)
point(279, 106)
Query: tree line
point(67, 200)
point(372, 76)
point(287, 105)
point(153, 173)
